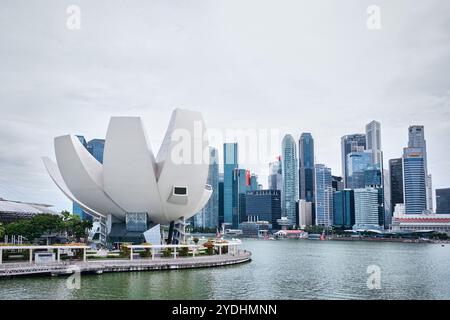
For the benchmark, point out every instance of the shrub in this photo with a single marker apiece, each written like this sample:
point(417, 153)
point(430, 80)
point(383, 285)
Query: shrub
point(125, 250)
point(147, 253)
point(167, 253)
point(209, 247)
point(184, 252)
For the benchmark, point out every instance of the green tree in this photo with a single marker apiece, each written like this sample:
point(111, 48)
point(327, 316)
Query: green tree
point(2, 231)
point(74, 226)
point(22, 228)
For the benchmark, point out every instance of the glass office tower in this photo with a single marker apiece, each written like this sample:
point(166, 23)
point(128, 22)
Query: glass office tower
point(306, 165)
point(230, 154)
point(351, 143)
point(323, 196)
point(414, 181)
point(290, 194)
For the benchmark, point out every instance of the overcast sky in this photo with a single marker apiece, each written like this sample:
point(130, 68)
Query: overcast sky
point(295, 66)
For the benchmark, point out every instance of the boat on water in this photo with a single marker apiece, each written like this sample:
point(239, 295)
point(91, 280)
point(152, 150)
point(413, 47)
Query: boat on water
point(291, 234)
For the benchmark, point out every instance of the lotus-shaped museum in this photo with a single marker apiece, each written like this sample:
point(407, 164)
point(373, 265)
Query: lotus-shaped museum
point(132, 185)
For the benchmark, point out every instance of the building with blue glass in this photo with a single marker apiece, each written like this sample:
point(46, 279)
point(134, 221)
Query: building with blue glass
point(306, 166)
point(263, 205)
point(323, 196)
point(366, 208)
point(221, 218)
point(344, 208)
point(414, 181)
point(96, 148)
point(357, 163)
point(240, 185)
point(443, 201)
point(275, 180)
point(230, 163)
point(351, 143)
point(290, 194)
point(208, 216)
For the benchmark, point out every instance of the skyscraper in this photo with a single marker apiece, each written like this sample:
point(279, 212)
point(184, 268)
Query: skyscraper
point(366, 208)
point(253, 182)
point(221, 217)
point(351, 143)
point(344, 208)
point(429, 183)
point(443, 201)
point(241, 184)
point(304, 213)
point(306, 165)
point(208, 216)
point(263, 205)
point(337, 183)
point(414, 181)
point(357, 163)
point(416, 139)
point(230, 154)
point(373, 141)
point(290, 192)
point(275, 180)
point(323, 195)
point(95, 148)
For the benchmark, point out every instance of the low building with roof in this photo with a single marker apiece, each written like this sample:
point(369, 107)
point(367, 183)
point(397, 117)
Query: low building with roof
point(11, 211)
point(422, 223)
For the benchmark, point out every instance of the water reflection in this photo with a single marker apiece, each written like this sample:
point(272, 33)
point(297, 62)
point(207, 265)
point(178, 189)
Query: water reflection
point(280, 270)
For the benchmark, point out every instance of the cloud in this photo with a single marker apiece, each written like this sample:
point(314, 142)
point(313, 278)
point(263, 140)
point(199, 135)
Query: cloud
point(292, 65)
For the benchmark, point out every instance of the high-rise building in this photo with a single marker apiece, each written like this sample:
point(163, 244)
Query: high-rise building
point(230, 163)
point(337, 183)
point(396, 182)
point(263, 205)
point(241, 184)
point(289, 169)
point(306, 166)
point(416, 139)
point(443, 201)
point(366, 208)
point(96, 148)
point(387, 199)
point(373, 177)
point(351, 143)
point(323, 195)
point(373, 142)
point(208, 216)
point(221, 217)
point(429, 193)
point(275, 176)
point(357, 163)
point(254, 182)
point(304, 213)
point(414, 181)
point(344, 208)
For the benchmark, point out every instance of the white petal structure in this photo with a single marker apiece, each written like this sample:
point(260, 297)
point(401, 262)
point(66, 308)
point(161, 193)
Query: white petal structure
point(131, 180)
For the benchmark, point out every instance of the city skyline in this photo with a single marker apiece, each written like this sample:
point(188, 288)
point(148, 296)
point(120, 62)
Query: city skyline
point(281, 77)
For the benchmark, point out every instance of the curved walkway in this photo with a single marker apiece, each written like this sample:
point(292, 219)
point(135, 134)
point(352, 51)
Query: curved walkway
point(109, 265)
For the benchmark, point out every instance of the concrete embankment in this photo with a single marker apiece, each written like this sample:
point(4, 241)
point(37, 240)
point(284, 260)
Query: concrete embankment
point(100, 266)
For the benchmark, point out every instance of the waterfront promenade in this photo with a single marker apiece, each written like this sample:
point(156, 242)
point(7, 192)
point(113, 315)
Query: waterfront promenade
point(118, 265)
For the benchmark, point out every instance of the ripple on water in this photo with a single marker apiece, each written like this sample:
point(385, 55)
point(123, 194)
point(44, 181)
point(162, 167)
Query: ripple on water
point(290, 269)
